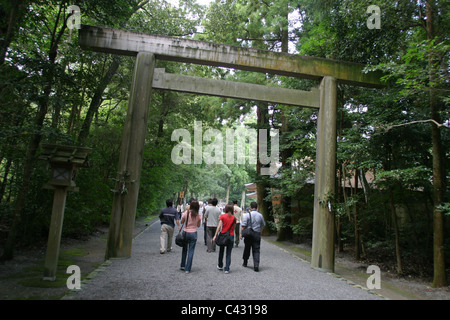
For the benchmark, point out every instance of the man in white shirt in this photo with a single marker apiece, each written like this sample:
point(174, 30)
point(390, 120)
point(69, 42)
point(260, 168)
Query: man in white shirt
point(212, 214)
point(238, 216)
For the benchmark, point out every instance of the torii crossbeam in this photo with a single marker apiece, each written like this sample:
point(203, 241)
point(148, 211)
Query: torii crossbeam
point(221, 55)
point(147, 48)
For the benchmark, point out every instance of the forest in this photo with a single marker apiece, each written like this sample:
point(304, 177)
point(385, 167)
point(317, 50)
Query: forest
point(392, 200)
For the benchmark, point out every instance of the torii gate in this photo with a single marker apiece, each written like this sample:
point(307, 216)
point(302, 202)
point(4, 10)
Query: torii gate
point(148, 48)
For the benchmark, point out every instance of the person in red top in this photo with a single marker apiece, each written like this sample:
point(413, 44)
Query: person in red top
point(227, 221)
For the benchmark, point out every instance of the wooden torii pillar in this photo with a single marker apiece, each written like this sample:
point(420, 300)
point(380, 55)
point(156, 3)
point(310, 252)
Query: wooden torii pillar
point(148, 48)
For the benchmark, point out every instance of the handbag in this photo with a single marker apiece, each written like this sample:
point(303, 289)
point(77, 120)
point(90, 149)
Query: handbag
point(224, 239)
point(180, 239)
point(248, 231)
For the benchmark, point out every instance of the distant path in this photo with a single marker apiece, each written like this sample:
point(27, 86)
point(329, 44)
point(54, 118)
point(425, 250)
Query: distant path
point(151, 275)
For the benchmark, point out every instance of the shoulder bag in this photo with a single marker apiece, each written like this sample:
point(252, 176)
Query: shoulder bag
point(180, 239)
point(223, 239)
point(248, 231)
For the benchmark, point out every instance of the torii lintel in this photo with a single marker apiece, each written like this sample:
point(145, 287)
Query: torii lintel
point(199, 52)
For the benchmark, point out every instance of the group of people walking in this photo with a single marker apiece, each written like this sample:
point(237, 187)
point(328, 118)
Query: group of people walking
point(215, 222)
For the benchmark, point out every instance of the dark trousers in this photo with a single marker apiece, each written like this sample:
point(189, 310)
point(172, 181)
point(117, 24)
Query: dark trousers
point(253, 243)
point(228, 250)
point(237, 232)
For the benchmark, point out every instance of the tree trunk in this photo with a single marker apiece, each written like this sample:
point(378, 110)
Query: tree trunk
point(261, 181)
point(341, 178)
point(339, 242)
point(97, 100)
point(228, 192)
point(355, 217)
point(396, 232)
point(12, 14)
point(285, 231)
point(439, 278)
point(4, 182)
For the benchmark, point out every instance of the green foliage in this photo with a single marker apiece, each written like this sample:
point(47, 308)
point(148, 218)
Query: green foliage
point(412, 178)
point(445, 207)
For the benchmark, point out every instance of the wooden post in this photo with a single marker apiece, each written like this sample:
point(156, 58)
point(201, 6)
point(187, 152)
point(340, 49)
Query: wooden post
point(123, 213)
point(54, 234)
point(323, 225)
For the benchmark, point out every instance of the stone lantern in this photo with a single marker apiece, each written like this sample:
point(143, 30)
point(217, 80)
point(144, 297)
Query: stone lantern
point(64, 162)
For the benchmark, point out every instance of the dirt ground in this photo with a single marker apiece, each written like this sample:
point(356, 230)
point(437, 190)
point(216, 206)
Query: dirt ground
point(21, 278)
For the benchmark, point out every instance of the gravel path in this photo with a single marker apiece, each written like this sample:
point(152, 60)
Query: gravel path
point(151, 275)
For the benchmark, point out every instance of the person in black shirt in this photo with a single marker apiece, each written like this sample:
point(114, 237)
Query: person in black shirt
point(168, 216)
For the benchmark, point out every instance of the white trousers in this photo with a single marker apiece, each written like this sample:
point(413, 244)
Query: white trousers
point(166, 237)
